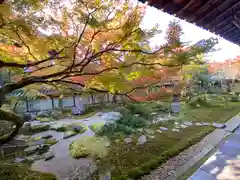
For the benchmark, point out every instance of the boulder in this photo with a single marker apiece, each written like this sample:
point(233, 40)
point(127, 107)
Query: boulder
point(47, 136)
point(112, 116)
point(31, 150)
point(43, 149)
point(48, 156)
point(43, 114)
point(77, 128)
point(128, 140)
point(142, 140)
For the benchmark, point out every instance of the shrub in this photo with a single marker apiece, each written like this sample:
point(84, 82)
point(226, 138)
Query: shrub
point(137, 108)
point(44, 119)
point(96, 127)
point(93, 146)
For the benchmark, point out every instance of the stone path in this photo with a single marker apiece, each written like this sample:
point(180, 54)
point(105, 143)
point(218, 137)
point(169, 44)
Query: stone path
point(224, 164)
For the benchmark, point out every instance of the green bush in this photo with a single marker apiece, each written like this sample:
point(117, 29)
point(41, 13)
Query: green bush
point(15, 172)
point(137, 108)
point(96, 127)
point(93, 146)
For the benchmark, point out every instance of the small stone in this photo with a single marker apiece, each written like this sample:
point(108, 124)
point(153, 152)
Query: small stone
point(176, 123)
point(117, 140)
point(205, 124)
point(159, 131)
point(149, 131)
point(48, 136)
point(19, 160)
point(198, 105)
point(175, 130)
point(163, 128)
point(198, 124)
point(188, 123)
point(183, 126)
point(48, 156)
point(137, 115)
point(140, 130)
point(218, 125)
point(128, 140)
point(142, 140)
point(151, 137)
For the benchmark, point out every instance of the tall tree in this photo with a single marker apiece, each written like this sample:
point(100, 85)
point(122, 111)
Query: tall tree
point(57, 44)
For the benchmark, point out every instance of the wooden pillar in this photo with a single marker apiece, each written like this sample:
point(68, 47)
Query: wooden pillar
point(74, 101)
point(52, 102)
point(27, 105)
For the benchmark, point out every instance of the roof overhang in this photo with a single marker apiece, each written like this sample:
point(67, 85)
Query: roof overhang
point(221, 17)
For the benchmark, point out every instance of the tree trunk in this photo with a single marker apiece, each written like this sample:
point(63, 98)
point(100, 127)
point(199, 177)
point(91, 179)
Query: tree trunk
point(15, 119)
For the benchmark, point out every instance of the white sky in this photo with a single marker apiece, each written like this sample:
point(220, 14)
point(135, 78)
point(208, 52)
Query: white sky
point(192, 33)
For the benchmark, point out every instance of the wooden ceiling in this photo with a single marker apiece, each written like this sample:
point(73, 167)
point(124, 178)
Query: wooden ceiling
point(219, 16)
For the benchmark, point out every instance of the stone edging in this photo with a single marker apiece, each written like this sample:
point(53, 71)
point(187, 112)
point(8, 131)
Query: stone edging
point(178, 165)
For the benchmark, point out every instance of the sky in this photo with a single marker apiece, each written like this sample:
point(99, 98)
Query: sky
point(192, 33)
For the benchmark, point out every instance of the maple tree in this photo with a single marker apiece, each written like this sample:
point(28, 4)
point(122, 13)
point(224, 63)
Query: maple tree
point(95, 45)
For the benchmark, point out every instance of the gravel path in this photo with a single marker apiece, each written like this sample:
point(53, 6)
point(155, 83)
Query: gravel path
point(63, 165)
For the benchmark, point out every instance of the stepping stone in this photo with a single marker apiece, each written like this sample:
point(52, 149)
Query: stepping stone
point(163, 128)
point(205, 124)
point(188, 123)
point(218, 125)
point(117, 140)
point(19, 160)
point(48, 136)
point(49, 156)
point(31, 150)
point(151, 137)
point(175, 130)
point(149, 131)
point(142, 140)
point(159, 131)
point(183, 126)
point(128, 140)
point(198, 124)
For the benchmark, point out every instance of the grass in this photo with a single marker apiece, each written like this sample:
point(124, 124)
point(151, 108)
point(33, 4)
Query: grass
point(17, 172)
point(85, 146)
point(133, 161)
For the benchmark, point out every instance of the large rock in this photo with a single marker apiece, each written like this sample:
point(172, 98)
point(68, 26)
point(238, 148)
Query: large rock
point(142, 140)
point(49, 156)
point(112, 116)
point(31, 150)
point(163, 128)
point(43, 149)
point(43, 114)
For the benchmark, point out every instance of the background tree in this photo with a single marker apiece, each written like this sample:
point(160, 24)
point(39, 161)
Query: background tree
point(55, 44)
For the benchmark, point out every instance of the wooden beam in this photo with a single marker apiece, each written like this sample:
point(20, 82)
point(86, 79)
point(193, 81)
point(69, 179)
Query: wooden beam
point(221, 23)
point(185, 7)
point(221, 15)
point(222, 4)
point(202, 8)
point(235, 36)
point(236, 24)
point(229, 30)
